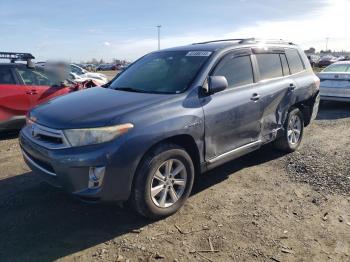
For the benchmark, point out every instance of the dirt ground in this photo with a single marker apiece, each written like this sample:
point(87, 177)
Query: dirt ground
point(265, 206)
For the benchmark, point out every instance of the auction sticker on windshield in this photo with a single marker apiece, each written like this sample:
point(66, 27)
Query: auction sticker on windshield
point(198, 53)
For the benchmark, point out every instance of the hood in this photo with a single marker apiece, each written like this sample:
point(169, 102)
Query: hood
point(93, 75)
point(92, 107)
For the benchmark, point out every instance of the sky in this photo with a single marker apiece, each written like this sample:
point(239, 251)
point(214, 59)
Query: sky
point(79, 30)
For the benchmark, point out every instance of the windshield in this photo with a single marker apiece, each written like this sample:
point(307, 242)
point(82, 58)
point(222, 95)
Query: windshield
point(166, 72)
point(339, 68)
point(76, 70)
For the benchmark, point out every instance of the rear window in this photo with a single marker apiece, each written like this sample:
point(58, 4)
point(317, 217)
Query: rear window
point(294, 61)
point(6, 76)
point(339, 68)
point(269, 66)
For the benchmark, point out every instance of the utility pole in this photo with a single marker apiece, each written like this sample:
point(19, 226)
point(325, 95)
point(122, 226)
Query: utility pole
point(158, 28)
point(327, 38)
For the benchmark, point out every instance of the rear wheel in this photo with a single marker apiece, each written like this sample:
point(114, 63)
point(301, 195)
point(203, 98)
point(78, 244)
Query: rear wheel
point(163, 182)
point(292, 133)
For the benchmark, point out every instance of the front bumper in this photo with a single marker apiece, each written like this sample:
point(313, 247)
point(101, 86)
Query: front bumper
point(68, 168)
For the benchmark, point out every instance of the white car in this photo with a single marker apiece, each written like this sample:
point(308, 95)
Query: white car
point(84, 78)
point(335, 82)
point(84, 73)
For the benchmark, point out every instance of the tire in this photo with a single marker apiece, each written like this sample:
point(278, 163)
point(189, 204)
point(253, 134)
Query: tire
point(144, 197)
point(285, 142)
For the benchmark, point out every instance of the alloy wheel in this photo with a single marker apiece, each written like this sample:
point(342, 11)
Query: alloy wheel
point(168, 183)
point(294, 129)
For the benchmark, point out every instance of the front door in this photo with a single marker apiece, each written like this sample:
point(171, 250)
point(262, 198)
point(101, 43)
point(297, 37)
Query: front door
point(232, 117)
point(42, 85)
point(15, 99)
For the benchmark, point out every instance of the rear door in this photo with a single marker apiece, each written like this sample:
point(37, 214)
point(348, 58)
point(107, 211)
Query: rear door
point(43, 86)
point(232, 117)
point(15, 99)
point(276, 89)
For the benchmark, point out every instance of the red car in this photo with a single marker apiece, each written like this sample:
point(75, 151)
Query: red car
point(21, 89)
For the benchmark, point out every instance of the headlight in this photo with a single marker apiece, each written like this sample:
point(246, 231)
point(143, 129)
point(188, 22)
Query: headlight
point(90, 136)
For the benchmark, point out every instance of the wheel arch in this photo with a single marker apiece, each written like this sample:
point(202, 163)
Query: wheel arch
point(306, 107)
point(185, 141)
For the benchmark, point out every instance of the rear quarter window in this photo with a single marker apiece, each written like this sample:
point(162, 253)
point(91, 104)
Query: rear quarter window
point(296, 65)
point(6, 76)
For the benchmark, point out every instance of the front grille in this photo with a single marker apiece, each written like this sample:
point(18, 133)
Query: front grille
point(47, 137)
point(50, 139)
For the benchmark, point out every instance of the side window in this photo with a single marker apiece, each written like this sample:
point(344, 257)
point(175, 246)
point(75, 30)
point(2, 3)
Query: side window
point(6, 76)
point(285, 66)
point(237, 70)
point(35, 77)
point(294, 61)
point(269, 66)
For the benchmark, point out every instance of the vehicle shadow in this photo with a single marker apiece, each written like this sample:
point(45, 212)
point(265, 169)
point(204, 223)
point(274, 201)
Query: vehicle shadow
point(40, 223)
point(5, 135)
point(333, 110)
point(221, 173)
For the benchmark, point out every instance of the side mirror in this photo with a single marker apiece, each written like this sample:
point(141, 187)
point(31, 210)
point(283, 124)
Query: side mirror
point(216, 84)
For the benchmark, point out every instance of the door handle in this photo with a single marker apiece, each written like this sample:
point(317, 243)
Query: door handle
point(255, 97)
point(291, 87)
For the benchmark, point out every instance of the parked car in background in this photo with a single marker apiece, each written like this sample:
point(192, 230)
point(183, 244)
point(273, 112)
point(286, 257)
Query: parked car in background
point(23, 87)
point(83, 73)
point(107, 67)
point(327, 60)
point(171, 115)
point(82, 78)
point(313, 59)
point(335, 82)
point(73, 68)
point(345, 58)
point(89, 67)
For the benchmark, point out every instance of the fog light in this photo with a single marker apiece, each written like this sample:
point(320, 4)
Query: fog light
point(96, 175)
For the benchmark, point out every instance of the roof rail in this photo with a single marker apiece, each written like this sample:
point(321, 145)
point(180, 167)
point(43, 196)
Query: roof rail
point(16, 56)
point(222, 40)
point(247, 40)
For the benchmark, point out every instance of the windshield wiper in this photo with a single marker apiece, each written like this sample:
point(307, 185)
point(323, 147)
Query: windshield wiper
point(130, 89)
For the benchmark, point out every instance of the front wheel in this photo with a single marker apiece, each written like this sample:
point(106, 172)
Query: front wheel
point(163, 181)
point(292, 133)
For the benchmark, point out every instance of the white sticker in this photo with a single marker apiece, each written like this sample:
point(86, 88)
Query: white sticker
point(198, 53)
